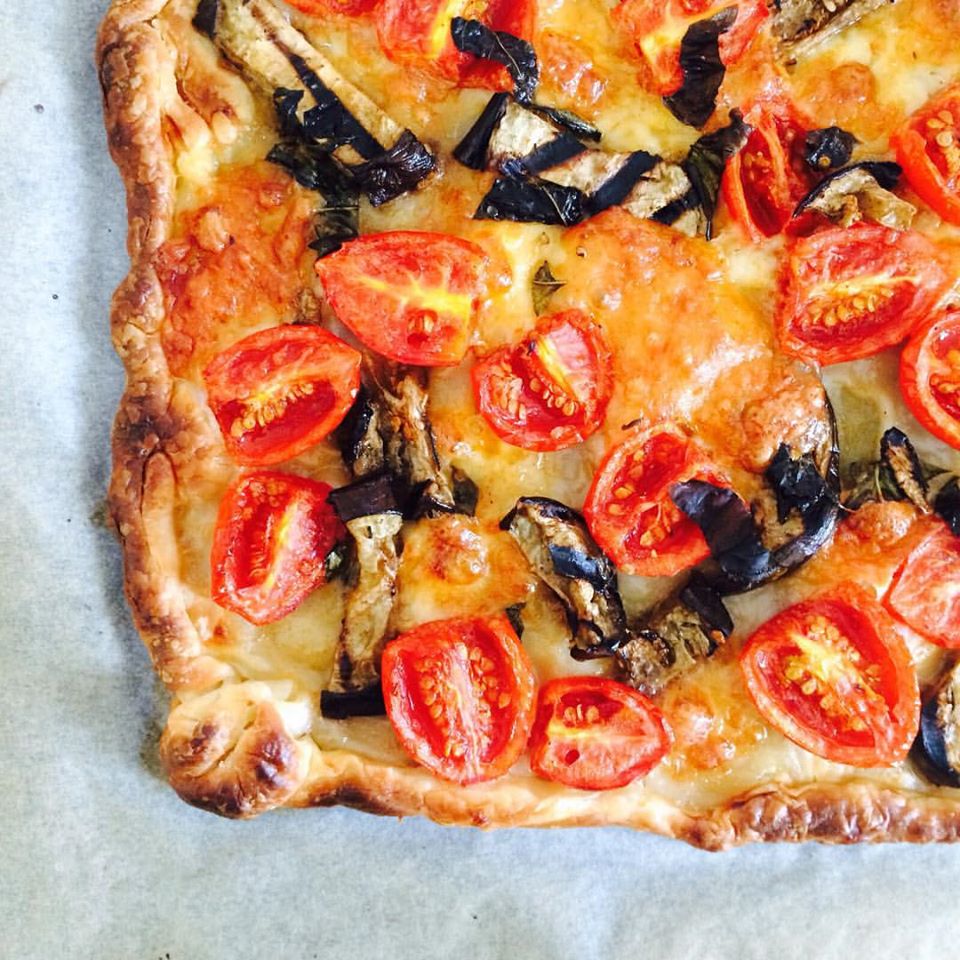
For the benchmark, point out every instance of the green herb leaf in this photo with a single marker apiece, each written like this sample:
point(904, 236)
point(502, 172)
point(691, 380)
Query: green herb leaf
point(543, 287)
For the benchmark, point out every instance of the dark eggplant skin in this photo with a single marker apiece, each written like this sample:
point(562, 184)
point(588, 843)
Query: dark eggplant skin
point(558, 546)
point(703, 70)
point(936, 751)
point(532, 201)
point(365, 498)
point(861, 191)
point(686, 627)
point(946, 504)
point(898, 453)
point(337, 705)
point(472, 150)
point(828, 148)
point(205, 19)
point(518, 56)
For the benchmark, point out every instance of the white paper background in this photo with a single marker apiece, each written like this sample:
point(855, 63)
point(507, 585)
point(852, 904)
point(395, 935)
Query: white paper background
point(98, 859)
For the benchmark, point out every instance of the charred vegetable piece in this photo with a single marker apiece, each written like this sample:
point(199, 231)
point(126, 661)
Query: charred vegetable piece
point(366, 498)
point(828, 148)
point(543, 286)
point(337, 705)
point(559, 548)
point(802, 25)
point(860, 192)
point(472, 36)
point(472, 150)
point(937, 747)
point(315, 102)
point(702, 67)
point(532, 201)
point(205, 19)
point(749, 555)
point(338, 217)
point(359, 436)
point(685, 628)
point(947, 504)
point(898, 453)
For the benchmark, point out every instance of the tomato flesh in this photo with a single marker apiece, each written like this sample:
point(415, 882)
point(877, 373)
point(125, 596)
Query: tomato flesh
point(460, 696)
point(930, 376)
point(833, 676)
point(628, 507)
point(852, 292)
point(417, 33)
point(551, 390)
point(317, 8)
point(925, 593)
point(274, 532)
point(409, 296)
point(592, 733)
point(928, 149)
point(764, 182)
point(658, 27)
point(278, 392)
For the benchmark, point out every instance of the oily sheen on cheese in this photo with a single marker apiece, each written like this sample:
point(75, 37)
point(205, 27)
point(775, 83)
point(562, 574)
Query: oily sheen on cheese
point(693, 342)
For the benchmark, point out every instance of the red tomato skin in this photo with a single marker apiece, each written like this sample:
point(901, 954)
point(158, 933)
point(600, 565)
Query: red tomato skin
point(925, 593)
point(246, 367)
point(917, 152)
point(548, 428)
point(318, 8)
point(250, 508)
point(415, 33)
point(889, 729)
point(642, 18)
point(477, 679)
point(840, 255)
point(408, 295)
point(930, 406)
point(685, 545)
point(598, 765)
point(774, 143)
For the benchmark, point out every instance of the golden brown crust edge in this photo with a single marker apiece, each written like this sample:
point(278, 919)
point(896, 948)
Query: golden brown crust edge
point(265, 766)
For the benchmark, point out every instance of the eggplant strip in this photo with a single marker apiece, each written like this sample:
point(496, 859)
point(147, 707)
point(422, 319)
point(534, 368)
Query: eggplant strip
point(802, 25)
point(256, 36)
point(936, 750)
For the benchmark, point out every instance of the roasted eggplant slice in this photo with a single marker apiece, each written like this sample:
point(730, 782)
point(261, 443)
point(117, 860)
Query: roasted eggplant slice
point(336, 705)
point(860, 192)
point(472, 36)
point(703, 70)
point(685, 628)
point(828, 148)
point(319, 104)
point(372, 517)
point(802, 25)
point(946, 504)
point(936, 750)
point(559, 548)
point(899, 474)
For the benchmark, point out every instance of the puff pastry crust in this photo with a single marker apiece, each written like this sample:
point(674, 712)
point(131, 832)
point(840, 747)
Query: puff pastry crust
point(240, 746)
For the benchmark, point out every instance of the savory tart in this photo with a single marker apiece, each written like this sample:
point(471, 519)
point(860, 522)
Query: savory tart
point(547, 413)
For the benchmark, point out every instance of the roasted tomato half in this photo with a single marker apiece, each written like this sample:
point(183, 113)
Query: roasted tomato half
point(658, 27)
point(628, 507)
point(833, 675)
point(764, 182)
point(928, 149)
point(595, 734)
point(925, 593)
point(278, 392)
point(417, 33)
point(412, 297)
point(851, 292)
point(551, 390)
point(460, 696)
point(318, 8)
point(273, 535)
point(930, 376)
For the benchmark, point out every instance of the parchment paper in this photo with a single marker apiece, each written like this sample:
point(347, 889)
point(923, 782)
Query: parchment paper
point(98, 858)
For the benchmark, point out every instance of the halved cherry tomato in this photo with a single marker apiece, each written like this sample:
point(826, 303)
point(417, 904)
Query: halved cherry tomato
point(764, 182)
point(930, 376)
point(925, 593)
point(409, 296)
point(317, 8)
point(551, 390)
point(833, 676)
point(274, 532)
point(459, 694)
point(928, 149)
point(595, 734)
point(628, 507)
point(278, 392)
point(851, 292)
point(417, 33)
point(658, 28)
